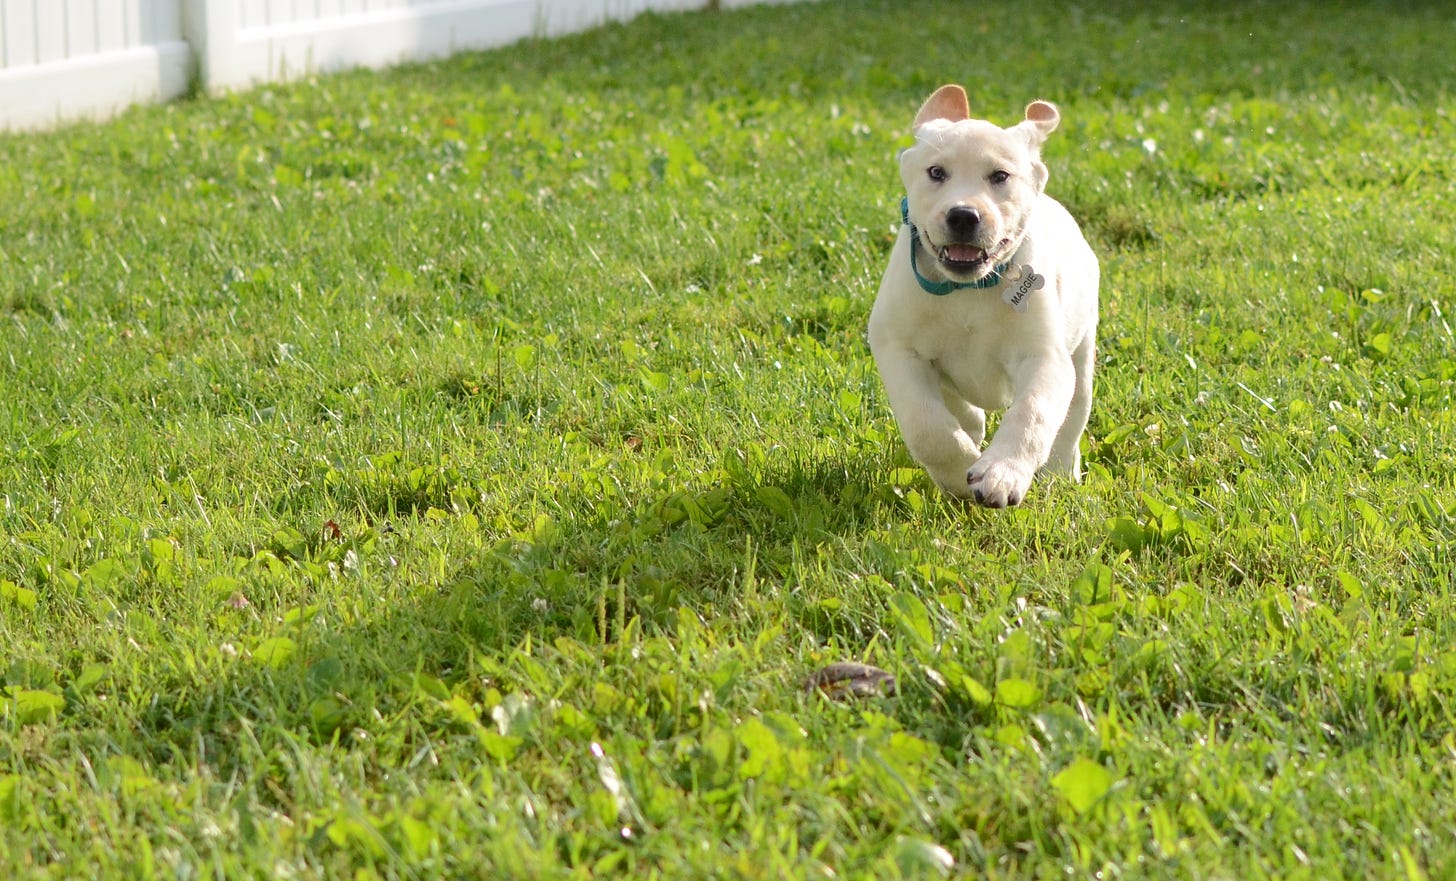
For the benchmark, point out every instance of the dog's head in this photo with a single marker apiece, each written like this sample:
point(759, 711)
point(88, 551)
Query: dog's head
point(970, 184)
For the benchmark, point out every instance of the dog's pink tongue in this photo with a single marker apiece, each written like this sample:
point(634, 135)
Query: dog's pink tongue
point(964, 253)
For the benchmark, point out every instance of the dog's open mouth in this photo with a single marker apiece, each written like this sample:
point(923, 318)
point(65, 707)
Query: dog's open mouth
point(964, 259)
point(958, 257)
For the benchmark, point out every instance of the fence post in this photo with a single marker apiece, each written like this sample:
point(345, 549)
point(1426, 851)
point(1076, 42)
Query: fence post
point(211, 26)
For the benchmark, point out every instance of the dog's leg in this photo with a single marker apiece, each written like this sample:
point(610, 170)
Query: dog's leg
point(971, 417)
point(934, 436)
point(1066, 452)
point(1042, 388)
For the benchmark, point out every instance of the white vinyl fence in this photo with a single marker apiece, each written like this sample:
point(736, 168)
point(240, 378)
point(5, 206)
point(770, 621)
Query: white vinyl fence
point(70, 59)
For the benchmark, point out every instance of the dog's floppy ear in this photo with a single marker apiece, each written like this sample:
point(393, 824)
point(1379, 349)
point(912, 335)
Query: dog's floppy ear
point(948, 103)
point(1041, 120)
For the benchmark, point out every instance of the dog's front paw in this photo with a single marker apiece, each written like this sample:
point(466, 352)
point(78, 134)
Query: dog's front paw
point(998, 483)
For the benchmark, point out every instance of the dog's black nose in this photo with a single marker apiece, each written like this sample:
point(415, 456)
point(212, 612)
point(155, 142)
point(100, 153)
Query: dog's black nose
point(962, 220)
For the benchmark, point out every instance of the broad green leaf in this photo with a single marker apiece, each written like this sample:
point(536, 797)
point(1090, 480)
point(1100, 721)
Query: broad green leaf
point(462, 711)
point(286, 177)
point(1351, 584)
point(655, 380)
point(32, 706)
point(913, 619)
point(426, 685)
point(131, 775)
point(1011, 735)
point(606, 698)
point(904, 476)
point(22, 597)
point(275, 652)
point(1152, 651)
point(324, 674)
point(1156, 508)
point(90, 676)
point(290, 542)
point(776, 500)
point(105, 573)
point(418, 835)
point(12, 798)
point(1126, 534)
point(1094, 585)
point(764, 753)
point(326, 715)
point(158, 551)
point(500, 747)
point(223, 585)
point(544, 530)
point(978, 693)
point(1018, 694)
point(1379, 346)
point(573, 722)
point(907, 750)
point(301, 615)
point(357, 836)
point(943, 577)
point(1082, 784)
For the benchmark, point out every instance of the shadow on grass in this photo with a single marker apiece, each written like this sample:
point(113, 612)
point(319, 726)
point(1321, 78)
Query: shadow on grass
point(740, 547)
point(717, 547)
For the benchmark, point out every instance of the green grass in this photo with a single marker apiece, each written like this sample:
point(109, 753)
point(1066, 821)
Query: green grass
point(455, 471)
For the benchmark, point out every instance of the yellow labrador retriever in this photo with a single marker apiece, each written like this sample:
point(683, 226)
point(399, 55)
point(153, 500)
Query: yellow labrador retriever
point(989, 302)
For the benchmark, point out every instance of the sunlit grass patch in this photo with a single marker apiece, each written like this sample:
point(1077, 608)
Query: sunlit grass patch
point(457, 471)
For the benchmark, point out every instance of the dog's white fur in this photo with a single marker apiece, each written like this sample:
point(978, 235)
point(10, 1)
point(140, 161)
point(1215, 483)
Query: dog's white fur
point(945, 360)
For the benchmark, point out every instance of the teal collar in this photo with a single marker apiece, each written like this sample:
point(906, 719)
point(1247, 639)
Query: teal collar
point(941, 288)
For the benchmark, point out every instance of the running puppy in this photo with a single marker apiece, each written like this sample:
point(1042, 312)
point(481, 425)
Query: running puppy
point(989, 302)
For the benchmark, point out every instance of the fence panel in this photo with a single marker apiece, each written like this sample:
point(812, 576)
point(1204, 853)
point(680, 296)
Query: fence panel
point(68, 59)
point(64, 59)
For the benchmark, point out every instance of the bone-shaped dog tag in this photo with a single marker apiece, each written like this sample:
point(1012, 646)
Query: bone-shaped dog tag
point(1019, 287)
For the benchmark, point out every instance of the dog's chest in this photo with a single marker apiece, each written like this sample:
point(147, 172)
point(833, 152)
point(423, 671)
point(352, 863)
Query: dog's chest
point(968, 342)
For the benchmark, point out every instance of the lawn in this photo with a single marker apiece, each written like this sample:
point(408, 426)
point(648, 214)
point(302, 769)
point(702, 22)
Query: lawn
point(455, 471)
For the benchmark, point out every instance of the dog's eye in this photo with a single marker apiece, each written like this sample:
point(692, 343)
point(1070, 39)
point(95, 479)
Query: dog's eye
point(937, 173)
point(999, 177)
